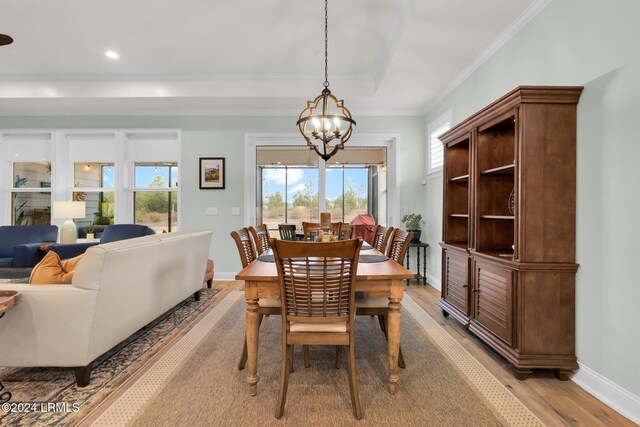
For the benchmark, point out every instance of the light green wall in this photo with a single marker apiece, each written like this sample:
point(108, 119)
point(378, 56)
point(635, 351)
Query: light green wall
point(595, 44)
point(224, 137)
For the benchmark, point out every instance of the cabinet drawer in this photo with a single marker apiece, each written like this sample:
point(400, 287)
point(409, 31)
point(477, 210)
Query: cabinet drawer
point(456, 280)
point(492, 299)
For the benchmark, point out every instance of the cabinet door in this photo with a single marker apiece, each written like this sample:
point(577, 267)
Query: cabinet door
point(457, 280)
point(493, 299)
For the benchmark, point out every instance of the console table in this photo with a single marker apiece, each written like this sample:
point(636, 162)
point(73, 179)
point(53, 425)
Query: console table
point(420, 246)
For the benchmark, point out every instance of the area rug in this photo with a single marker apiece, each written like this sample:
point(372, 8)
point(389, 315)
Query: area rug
point(109, 372)
point(438, 387)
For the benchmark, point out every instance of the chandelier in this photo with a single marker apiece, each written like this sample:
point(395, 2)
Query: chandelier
point(326, 123)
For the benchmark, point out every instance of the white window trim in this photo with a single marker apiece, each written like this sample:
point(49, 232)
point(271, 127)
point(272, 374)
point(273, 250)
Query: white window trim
point(444, 119)
point(253, 140)
point(62, 179)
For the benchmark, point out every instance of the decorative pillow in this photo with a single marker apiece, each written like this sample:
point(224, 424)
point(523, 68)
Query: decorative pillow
point(53, 271)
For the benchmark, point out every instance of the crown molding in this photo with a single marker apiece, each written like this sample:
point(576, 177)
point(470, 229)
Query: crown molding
point(178, 77)
point(514, 28)
point(195, 113)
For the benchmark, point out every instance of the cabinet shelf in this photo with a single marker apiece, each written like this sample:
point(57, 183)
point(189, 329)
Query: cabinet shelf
point(458, 216)
point(501, 170)
point(506, 217)
point(462, 178)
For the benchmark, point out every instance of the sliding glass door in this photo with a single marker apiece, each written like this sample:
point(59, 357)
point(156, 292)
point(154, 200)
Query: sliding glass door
point(294, 185)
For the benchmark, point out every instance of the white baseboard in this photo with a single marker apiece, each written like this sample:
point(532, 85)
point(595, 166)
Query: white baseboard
point(623, 401)
point(434, 282)
point(224, 275)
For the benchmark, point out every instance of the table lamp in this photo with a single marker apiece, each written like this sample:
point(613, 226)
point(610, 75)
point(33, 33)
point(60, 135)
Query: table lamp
point(68, 210)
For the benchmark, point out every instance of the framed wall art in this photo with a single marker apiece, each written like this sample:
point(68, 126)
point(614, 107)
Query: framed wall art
point(212, 173)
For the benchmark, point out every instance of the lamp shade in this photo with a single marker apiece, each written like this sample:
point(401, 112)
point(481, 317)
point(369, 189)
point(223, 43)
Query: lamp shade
point(67, 209)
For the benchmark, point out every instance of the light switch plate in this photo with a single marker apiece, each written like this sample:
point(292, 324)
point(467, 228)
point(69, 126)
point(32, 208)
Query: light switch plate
point(211, 211)
point(235, 211)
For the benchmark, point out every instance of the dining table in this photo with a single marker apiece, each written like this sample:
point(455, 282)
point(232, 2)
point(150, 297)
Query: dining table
point(377, 279)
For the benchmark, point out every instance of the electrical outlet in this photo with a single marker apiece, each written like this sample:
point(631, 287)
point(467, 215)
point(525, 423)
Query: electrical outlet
point(235, 211)
point(211, 211)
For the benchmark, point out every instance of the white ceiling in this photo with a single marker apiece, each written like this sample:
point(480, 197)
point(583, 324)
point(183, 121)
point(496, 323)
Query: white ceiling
point(240, 56)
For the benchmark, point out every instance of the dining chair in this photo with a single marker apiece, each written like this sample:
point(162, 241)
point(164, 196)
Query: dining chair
point(346, 231)
point(317, 290)
point(399, 245)
point(260, 236)
point(309, 229)
point(379, 306)
point(381, 238)
point(266, 306)
point(287, 232)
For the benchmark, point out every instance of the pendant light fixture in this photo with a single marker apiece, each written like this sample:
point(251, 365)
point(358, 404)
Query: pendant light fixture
point(326, 124)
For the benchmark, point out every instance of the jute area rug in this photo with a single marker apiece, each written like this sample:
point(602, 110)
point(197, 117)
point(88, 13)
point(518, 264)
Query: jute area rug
point(110, 371)
point(208, 389)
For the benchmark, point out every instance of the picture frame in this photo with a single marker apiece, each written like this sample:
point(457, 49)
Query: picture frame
point(212, 173)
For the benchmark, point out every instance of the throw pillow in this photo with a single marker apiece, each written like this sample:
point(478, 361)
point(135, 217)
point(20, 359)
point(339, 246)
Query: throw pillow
point(53, 271)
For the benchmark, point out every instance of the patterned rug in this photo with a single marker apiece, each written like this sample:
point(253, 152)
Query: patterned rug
point(109, 372)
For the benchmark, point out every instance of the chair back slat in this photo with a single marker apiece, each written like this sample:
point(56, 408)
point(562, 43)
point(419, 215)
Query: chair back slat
point(260, 235)
point(317, 281)
point(287, 232)
point(399, 245)
point(346, 231)
point(245, 247)
point(381, 238)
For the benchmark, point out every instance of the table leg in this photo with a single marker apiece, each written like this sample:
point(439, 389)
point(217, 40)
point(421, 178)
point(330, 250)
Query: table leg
point(424, 267)
point(418, 264)
point(253, 325)
point(408, 253)
point(394, 319)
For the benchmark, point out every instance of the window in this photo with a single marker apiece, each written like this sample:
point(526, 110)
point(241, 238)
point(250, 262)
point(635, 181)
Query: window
point(155, 196)
point(289, 195)
point(294, 185)
point(435, 150)
point(94, 184)
point(347, 191)
point(31, 193)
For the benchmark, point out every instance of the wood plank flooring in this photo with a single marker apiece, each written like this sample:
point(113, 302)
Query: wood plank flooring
point(556, 403)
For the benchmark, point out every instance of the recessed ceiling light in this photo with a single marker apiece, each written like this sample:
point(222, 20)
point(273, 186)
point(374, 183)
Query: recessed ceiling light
point(112, 54)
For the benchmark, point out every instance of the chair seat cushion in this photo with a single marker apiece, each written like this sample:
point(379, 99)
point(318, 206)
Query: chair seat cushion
point(318, 327)
point(365, 301)
point(6, 262)
point(269, 302)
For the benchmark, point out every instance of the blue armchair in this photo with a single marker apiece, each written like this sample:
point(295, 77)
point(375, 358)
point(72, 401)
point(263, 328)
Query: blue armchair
point(111, 233)
point(19, 244)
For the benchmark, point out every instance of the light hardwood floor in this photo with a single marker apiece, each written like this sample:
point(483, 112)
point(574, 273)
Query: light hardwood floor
point(556, 403)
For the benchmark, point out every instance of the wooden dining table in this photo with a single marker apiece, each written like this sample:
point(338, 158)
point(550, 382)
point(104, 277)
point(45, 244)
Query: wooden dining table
point(378, 279)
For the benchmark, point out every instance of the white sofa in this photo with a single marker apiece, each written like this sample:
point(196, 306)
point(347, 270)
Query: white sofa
point(117, 289)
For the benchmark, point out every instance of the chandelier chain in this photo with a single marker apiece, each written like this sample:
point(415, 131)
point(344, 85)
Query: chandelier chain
point(326, 43)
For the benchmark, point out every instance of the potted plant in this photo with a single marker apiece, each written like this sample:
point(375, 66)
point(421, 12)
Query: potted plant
point(90, 230)
point(414, 223)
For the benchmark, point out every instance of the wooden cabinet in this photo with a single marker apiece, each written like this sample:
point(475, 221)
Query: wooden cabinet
point(492, 299)
point(455, 289)
point(509, 226)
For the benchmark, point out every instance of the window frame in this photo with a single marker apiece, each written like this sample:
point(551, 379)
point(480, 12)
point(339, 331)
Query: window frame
point(435, 127)
point(171, 190)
